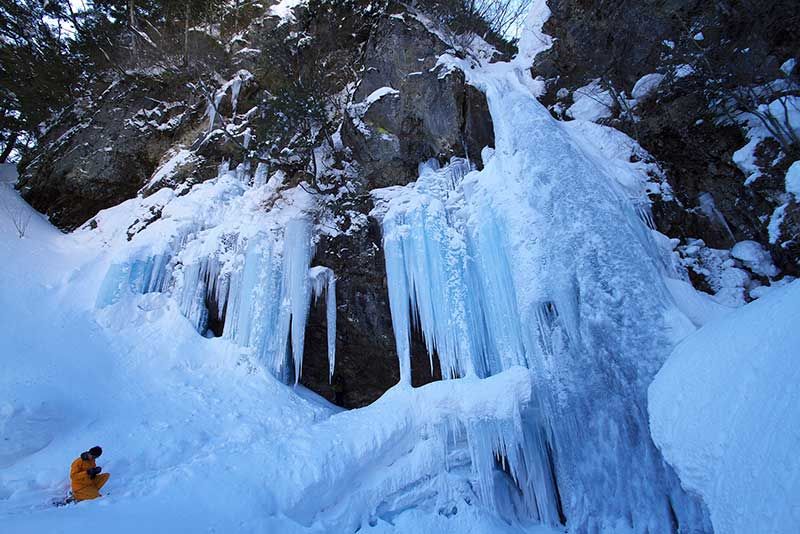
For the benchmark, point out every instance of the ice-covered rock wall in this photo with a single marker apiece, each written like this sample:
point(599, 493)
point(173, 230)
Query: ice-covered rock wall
point(541, 260)
point(235, 254)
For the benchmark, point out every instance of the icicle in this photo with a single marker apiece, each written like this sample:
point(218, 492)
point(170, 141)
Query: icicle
point(299, 251)
point(330, 311)
point(260, 177)
point(236, 86)
point(323, 280)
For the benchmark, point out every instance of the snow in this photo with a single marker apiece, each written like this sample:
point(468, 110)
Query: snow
point(775, 222)
point(532, 40)
point(591, 102)
point(284, 10)
point(168, 169)
point(646, 85)
point(682, 71)
point(786, 111)
point(719, 269)
point(788, 66)
point(793, 180)
point(725, 411)
point(359, 109)
point(755, 258)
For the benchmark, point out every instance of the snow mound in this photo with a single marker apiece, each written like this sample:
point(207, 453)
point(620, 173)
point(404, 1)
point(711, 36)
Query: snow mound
point(754, 257)
point(725, 412)
point(646, 85)
point(591, 102)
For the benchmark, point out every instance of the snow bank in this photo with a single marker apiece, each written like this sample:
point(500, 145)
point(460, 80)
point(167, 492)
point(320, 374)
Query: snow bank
point(591, 102)
point(725, 411)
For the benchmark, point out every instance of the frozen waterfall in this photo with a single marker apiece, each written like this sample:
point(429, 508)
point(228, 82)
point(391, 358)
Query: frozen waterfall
point(541, 260)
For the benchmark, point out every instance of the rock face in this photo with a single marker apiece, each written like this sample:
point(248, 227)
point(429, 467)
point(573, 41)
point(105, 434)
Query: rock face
point(366, 359)
point(101, 151)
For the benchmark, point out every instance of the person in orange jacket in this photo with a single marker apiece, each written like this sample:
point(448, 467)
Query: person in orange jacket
point(85, 475)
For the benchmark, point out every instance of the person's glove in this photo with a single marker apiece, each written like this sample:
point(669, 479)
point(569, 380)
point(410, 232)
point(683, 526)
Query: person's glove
point(85, 456)
point(94, 471)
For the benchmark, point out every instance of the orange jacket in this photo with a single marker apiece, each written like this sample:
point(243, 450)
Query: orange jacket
point(83, 486)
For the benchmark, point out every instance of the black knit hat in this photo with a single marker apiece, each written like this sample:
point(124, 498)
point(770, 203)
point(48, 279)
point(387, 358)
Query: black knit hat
point(96, 451)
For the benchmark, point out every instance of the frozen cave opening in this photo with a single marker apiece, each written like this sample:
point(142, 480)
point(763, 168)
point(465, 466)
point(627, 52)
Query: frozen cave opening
point(215, 322)
point(361, 375)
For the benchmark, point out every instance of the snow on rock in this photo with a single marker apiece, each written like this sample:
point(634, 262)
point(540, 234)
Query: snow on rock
point(682, 71)
point(788, 66)
point(786, 112)
point(755, 258)
point(725, 411)
point(775, 222)
point(168, 169)
point(591, 102)
point(646, 85)
point(358, 110)
point(793, 180)
point(719, 270)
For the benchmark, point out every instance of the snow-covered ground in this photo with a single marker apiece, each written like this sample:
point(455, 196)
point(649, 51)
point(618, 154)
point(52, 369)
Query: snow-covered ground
point(725, 411)
point(199, 437)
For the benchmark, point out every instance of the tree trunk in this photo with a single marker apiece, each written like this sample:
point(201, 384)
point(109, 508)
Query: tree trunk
point(132, 22)
point(12, 141)
point(186, 35)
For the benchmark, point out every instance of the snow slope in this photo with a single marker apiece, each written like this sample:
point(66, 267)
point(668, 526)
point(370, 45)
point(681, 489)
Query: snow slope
point(725, 411)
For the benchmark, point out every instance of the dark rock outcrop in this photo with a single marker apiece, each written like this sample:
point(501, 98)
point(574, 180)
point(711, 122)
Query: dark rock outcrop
point(366, 358)
point(429, 113)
